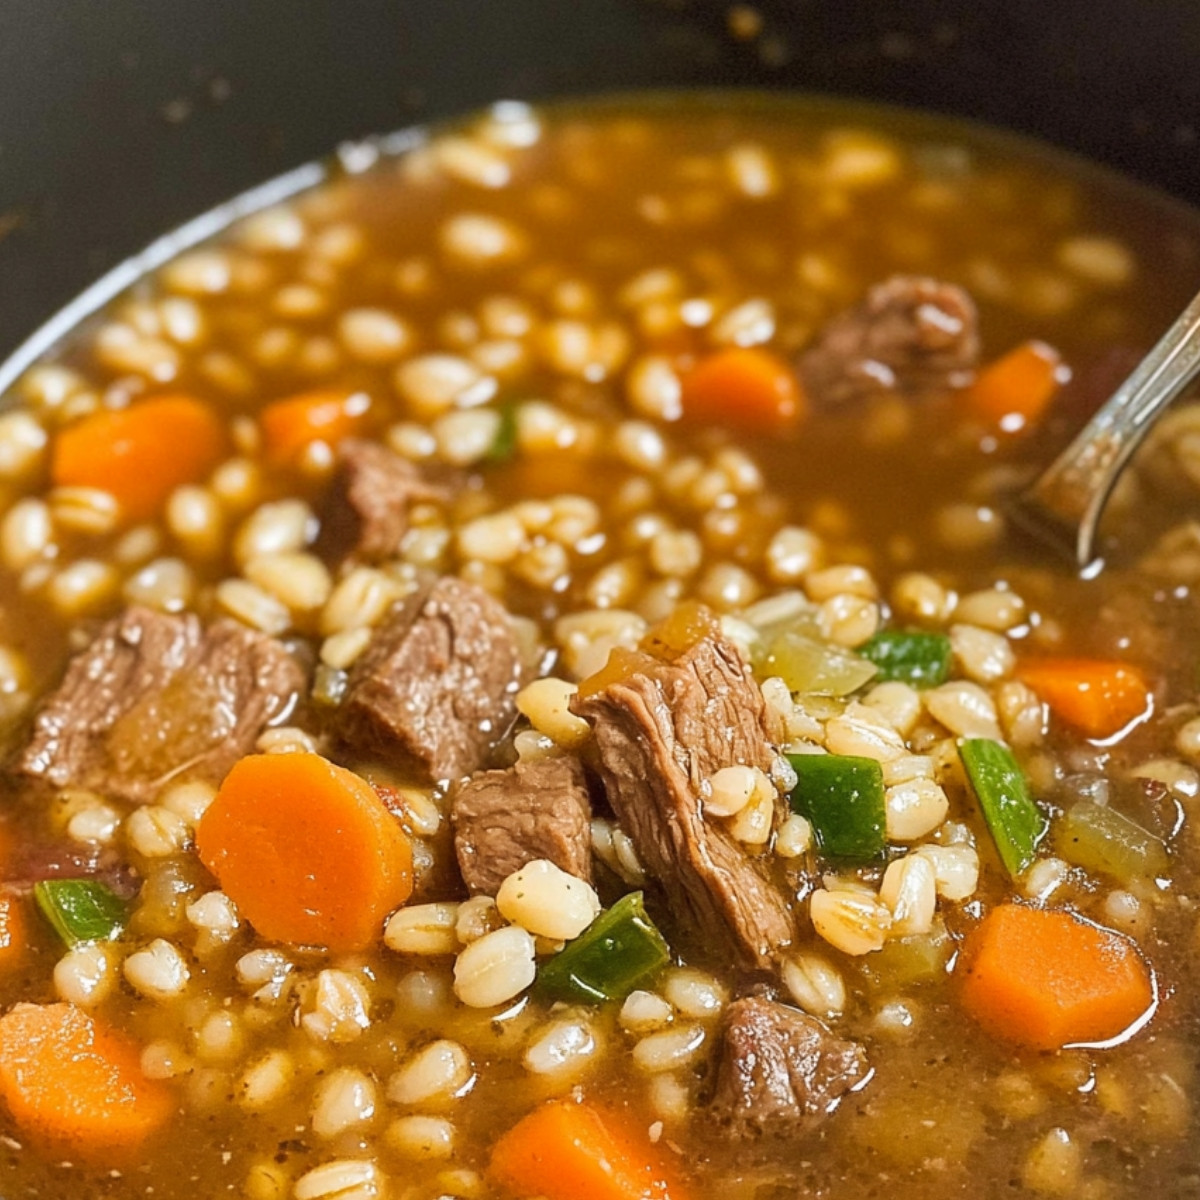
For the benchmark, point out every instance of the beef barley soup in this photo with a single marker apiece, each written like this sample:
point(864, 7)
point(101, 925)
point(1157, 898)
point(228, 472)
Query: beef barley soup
point(515, 683)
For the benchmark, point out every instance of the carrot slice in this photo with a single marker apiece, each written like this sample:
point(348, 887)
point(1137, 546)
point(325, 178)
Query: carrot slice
point(1096, 696)
point(1046, 979)
point(289, 426)
point(573, 1151)
point(70, 1082)
point(1014, 391)
point(14, 932)
point(743, 388)
point(140, 454)
point(306, 850)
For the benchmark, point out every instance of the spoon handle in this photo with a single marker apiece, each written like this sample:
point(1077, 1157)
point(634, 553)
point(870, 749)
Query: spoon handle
point(1068, 498)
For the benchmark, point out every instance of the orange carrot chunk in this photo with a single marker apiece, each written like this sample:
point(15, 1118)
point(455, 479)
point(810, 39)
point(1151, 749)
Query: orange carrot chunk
point(572, 1151)
point(290, 426)
point(1046, 979)
point(14, 932)
point(744, 389)
point(75, 1085)
point(140, 454)
point(1099, 698)
point(307, 851)
point(1014, 391)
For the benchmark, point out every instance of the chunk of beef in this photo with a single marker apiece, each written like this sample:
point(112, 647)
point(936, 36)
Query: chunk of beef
point(660, 734)
point(505, 819)
point(69, 860)
point(366, 514)
point(155, 697)
point(909, 335)
point(436, 687)
point(780, 1071)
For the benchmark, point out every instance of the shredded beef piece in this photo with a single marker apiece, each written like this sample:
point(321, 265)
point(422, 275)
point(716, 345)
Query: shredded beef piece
point(436, 687)
point(155, 697)
point(660, 733)
point(909, 335)
point(69, 860)
point(366, 513)
point(505, 819)
point(780, 1071)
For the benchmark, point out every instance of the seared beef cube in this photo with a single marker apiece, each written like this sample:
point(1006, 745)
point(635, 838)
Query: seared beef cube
point(156, 697)
point(780, 1071)
point(36, 862)
point(436, 687)
point(505, 819)
point(660, 733)
point(910, 335)
point(366, 513)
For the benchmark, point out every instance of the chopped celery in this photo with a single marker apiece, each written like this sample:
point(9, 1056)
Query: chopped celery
point(1015, 821)
point(842, 797)
point(617, 952)
point(919, 659)
point(504, 444)
point(910, 961)
point(808, 665)
point(81, 910)
point(1101, 839)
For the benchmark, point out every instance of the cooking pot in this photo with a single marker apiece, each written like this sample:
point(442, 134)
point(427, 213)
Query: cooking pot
point(122, 119)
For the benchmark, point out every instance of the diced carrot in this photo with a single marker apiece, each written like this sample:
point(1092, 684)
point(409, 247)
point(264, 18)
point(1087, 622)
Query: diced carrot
point(69, 1082)
point(290, 426)
point(1013, 392)
point(142, 453)
point(14, 931)
point(743, 388)
point(573, 1151)
point(1098, 697)
point(306, 850)
point(1046, 979)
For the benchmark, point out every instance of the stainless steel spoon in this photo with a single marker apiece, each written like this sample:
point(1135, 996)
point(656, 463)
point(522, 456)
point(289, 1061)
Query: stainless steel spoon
point(1064, 504)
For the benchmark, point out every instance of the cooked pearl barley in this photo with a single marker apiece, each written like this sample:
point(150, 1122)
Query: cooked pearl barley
point(279, 527)
point(669, 1098)
point(423, 929)
point(164, 1060)
point(215, 914)
point(481, 241)
point(340, 1008)
point(914, 809)
point(263, 973)
point(464, 438)
point(155, 832)
point(158, 972)
point(653, 388)
point(1099, 259)
point(670, 1049)
point(359, 601)
point(909, 889)
point(792, 554)
point(562, 1047)
point(898, 703)
point(440, 1070)
point(83, 587)
point(983, 656)
point(644, 1012)
point(1180, 779)
point(955, 869)
point(794, 838)
point(476, 917)
point(85, 976)
point(300, 581)
point(727, 587)
point(863, 732)
point(848, 620)
point(677, 553)
point(748, 324)
point(495, 968)
point(496, 538)
point(285, 739)
point(342, 1179)
point(840, 580)
point(1054, 1165)
point(729, 790)
point(98, 823)
point(694, 993)
point(964, 708)
point(84, 510)
point(250, 605)
point(814, 984)
point(220, 1038)
point(435, 383)
point(343, 1100)
point(373, 335)
point(188, 800)
point(26, 533)
point(22, 443)
point(545, 703)
point(419, 1137)
point(542, 898)
point(921, 597)
point(851, 921)
point(991, 608)
point(752, 823)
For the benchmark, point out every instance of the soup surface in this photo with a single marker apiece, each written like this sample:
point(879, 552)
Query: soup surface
point(515, 681)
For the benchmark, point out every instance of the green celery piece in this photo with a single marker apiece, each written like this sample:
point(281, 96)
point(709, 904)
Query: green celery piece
point(1099, 838)
point(910, 961)
point(81, 910)
point(813, 667)
point(504, 444)
point(620, 950)
point(1015, 821)
point(916, 658)
point(842, 797)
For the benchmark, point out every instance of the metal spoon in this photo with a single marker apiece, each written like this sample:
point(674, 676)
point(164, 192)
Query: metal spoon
point(1064, 504)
